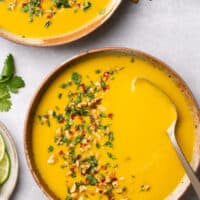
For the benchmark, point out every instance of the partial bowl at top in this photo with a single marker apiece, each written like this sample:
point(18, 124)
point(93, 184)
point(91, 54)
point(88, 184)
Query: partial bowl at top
point(50, 23)
point(90, 104)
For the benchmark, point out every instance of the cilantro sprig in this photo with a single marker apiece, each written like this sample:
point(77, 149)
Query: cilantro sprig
point(9, 83)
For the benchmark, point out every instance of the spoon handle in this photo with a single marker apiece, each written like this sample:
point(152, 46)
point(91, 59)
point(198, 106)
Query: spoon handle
point(193, 178)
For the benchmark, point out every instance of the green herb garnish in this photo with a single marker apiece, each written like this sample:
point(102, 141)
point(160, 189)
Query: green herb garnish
point(98, 71)
point(92, 180)
point(9, 83)
point(76, 78)
point(47, 24)
point(86, 5)
point(108, 144)
point(86, 125)
point(50, 149)
point(111, 156)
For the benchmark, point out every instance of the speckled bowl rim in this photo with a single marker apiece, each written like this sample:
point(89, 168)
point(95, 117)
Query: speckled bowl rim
point(180, 190)
point(7, 189)
point(66, 38)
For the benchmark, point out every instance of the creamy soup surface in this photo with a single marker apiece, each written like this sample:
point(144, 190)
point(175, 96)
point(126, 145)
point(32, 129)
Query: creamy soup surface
point(44, 19)
point(95, 136)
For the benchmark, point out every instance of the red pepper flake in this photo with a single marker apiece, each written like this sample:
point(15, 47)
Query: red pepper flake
point(72, 169)
point(77, 128)
point(24, 4)
point(61, 152)
point(71, 132)
point(83, 87)
point(110, 115)
point(78, 5)
point(110, 197)
point(103, 179)
point(114, 179)
point(88, 140)
point(94, 125)
point(87, 182)
point(105, 88)
point(83, 144)
point(106, 75)
point(83, 133)
point(49, 16)
point(103, 167)
point(73, 116)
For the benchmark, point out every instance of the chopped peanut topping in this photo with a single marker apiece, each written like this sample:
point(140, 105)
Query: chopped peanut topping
point(52, 159)
point(73, 188)
point(84, 127)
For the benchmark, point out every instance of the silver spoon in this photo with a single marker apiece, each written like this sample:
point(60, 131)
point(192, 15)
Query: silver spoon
point(172, 135)
point(193, 178)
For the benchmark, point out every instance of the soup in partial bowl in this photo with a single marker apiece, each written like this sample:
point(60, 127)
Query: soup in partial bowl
point(93, 133)
point(52, 22)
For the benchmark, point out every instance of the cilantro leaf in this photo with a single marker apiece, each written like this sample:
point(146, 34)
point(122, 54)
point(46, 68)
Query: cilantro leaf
point(76, 78)
point(111, 156)
point(15, 83)
point(8, 69)
point(9, 83)
point(108, 144)
point(4, 92)
point(92, 180)
point(5, 104)
point(86, 5)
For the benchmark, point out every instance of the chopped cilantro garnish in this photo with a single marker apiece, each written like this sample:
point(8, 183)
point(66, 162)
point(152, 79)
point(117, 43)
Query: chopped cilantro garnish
point(86, 5)
point(85, 125)
point(103, 83)
point(98, 71)
point(102, 114)
point(109, 144)
point(92, 180)
point(36, 8)
point(68, 198)
point(78, 139)
point(50, 148)
point(111, 136)
point(62, 3)
point(79, 98)
point(67, 126)
point(76, 78)
point(98, 146)
point(65, 85)
point(47, 24)
point(73, 174)
point(60, 95)
point(111, 156)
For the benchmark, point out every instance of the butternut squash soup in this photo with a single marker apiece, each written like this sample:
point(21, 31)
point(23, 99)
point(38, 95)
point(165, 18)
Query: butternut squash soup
point(44, 19)
point(97, 134)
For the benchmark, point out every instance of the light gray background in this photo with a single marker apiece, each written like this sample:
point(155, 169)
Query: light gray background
point(167, 29)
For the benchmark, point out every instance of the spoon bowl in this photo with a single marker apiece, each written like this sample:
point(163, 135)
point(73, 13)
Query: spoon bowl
point(171, 131)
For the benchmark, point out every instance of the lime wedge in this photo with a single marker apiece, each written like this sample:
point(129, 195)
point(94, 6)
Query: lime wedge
point(4, 168)
point(2, 148)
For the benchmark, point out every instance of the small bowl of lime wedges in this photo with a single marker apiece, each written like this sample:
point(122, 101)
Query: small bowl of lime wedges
point(9, 164)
